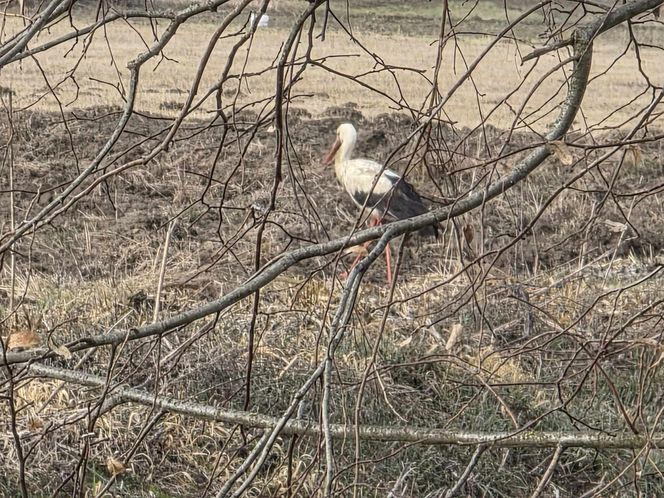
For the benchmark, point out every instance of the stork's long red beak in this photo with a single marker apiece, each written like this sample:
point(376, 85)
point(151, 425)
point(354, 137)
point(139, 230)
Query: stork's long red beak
point(329, 159)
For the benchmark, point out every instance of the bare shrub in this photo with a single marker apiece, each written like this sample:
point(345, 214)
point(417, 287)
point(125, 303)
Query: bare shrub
point(174, 321)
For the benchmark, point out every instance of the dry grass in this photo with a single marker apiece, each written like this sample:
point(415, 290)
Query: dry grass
point(102, 74)
point(97, 267)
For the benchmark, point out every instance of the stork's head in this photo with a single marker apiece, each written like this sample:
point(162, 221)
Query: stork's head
point(343, 145)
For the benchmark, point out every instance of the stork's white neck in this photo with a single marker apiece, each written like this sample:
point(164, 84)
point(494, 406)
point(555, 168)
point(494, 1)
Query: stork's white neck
point(346, 149)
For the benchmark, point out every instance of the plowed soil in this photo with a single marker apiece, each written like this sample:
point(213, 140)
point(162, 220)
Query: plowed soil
point(116, 228)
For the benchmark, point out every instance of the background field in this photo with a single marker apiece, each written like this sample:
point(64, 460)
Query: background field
point(398, 40)
point(488, 346)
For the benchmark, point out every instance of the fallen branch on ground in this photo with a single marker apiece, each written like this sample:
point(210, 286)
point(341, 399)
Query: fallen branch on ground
point(420, 435)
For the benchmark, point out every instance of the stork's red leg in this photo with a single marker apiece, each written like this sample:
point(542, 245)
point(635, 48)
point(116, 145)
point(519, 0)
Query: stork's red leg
point(388, 261)
point(360, 253)
point(388, 253)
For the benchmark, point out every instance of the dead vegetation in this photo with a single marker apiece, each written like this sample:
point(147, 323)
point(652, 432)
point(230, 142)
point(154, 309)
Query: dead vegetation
point(540, 312)
point(407, 50)
point(431, 354)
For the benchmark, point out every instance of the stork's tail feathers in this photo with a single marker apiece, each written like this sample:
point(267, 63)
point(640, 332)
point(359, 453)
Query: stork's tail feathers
point(408, 203)
point(430, 231)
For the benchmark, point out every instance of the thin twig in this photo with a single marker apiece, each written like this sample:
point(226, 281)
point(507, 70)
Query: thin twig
point(467, 471)
point(162, 271)
point(549, 472)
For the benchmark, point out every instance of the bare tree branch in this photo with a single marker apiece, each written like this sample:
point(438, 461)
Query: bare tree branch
point(529, 439)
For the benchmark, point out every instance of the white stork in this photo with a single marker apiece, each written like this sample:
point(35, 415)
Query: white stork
point(392, 198)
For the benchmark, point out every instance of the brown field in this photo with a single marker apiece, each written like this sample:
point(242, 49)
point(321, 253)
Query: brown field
point(487, 360)
point(164, 86)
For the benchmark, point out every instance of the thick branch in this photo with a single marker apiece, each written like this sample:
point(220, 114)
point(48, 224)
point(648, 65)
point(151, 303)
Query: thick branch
point(611, 20)
point(421, 435)
point(76, 33)
point(15, 46)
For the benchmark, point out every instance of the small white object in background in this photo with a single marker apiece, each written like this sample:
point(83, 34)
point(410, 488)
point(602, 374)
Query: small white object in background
point(263, 21)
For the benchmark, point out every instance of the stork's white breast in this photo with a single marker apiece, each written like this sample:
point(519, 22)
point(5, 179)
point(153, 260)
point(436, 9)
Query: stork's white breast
point(358, 175)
